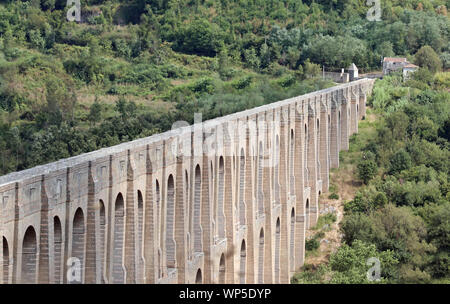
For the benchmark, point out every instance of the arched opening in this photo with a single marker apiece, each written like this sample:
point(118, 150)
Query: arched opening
point(276, 170)
point(277, 251)
point(57, 248)
point(170, 223)
point(222, 269)
point(118, 272)
point(261, 258)
point(5, 257)
point(329, 139)
point(242, 264)
point(186, 187)
point(291, 162)
point(198, 277)
point(140, 260)
point(102, 239)
point(260, 180)
point(159, 264)
point(159, 233)
point(307, 214)
point(305, 156)
point(292, 239)
point(78, 239)
point(197, 205)
point(242, 188)
point(220, 199)
point(318, 146)
point(29, 251)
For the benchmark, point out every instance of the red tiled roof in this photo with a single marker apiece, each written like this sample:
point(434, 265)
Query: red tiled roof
point(410, 65)
point(394, 59)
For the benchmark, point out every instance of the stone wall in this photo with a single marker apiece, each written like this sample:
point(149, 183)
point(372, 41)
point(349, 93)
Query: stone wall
point(227, 200)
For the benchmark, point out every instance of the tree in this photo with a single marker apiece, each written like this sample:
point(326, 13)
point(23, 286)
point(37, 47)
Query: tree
point(400, 161)
point(427, 58)
point(367, 167)
point(95, 112)
point(349, 263)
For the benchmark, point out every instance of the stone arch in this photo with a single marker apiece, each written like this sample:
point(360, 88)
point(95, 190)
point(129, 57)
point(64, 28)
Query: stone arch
point(261, 257)
point(292, 240)
point(222, 269)
point(242, 265)
point(102, 238)
point(78, 239)
point(197, 229)
point(198, 277)
point(260, 179)
point(305, 155)
point(291, 162)
point(140, 245)
point(57, 249)
point(170, 223)
point(277, 250)
point(220, 199)
point(118, 276)
point(159, 222)
point(307, 213)
point(5, 257)
point(318, 134)
point(241, 187)
point(29, 254)
point(186, 186)
point(276, 175)
point(159, 261)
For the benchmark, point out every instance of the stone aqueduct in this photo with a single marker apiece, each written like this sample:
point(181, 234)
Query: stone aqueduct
point(224, 201)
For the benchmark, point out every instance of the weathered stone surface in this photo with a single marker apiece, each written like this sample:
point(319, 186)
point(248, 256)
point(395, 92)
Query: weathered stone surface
point(226, 200)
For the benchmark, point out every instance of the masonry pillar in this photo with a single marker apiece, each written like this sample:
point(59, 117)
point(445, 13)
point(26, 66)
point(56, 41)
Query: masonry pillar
point(268, 206)
point(91, 252)
point(362, 102)
point(323, 145)
point(299, 170)
point(66, 225)
point(229, 204)
point(129, 250)
point(284, 198)
point(313, 162)
point(149, 235)
point(345, 121)
point(335, 135)
point(354, 116)
point(43, 271)
point(251, 245)
point(180, 222)
point(206, 216)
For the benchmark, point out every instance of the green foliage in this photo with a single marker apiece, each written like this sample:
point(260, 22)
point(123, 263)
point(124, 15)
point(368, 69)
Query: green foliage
point(349, 263)
point(400, 161)
point(312, 244)
point(334, 196)
point(427, 58)
point(367, 167)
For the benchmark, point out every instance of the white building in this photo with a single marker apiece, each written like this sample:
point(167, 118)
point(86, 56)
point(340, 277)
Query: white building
point(391, 64)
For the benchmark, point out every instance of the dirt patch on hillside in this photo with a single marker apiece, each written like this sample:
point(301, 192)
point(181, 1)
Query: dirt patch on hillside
point(343, 179)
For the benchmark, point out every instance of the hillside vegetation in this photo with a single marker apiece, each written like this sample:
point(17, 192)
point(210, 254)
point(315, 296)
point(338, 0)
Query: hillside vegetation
point(401, 213)
point(131, 68)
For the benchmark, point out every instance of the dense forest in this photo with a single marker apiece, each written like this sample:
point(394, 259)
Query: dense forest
point(130, 69)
